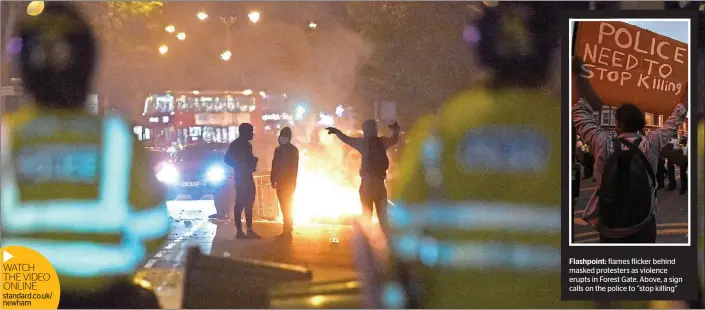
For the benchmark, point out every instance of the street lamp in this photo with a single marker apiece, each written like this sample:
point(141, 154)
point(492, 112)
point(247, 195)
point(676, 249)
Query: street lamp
point(170, 29)
point(254, 16)
point(35, 8)
point(202, 16)
point(312, 25)
point(181, 36)
point(163, 49)
point(247, 92)
point(225, 56)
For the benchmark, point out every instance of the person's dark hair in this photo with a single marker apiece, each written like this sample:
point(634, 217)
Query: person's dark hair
point(58, 55)
point(245, 128)
point(285, 132)
point(517, 63)
point(630, 118)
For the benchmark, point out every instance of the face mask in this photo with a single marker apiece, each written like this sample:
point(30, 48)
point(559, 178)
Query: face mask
point(284, 140)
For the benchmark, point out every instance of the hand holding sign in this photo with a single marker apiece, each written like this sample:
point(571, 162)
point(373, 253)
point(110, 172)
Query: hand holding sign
point(581, 85)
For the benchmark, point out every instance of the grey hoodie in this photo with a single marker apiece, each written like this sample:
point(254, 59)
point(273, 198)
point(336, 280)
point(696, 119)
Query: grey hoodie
point(601, 142)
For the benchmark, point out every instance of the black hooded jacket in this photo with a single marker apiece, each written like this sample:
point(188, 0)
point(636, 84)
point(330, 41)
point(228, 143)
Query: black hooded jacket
point(285, 165)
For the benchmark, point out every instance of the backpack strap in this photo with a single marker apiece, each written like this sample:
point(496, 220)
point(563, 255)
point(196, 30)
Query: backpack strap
point(616, 145)
point(633, 147)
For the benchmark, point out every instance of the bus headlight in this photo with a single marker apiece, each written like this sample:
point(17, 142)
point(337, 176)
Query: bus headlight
point(215, 174)
point(168, 174)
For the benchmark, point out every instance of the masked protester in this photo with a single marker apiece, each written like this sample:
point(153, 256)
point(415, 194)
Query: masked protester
point(373, 192)
point(98, 219)
point(285, 168)
point(239, 156)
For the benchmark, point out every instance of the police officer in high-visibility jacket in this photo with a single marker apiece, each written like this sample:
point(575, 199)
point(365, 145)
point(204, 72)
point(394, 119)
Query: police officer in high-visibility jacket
point(476, 220)
point(75, 187)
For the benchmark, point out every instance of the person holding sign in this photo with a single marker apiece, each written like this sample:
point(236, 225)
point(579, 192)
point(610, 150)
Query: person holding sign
point(625, 209)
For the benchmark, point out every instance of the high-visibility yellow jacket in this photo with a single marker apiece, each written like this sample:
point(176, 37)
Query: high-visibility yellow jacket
point(477, 211)
point(701, 204)
point(78, 189)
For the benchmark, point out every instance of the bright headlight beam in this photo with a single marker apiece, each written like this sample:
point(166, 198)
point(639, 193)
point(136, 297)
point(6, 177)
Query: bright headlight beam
point(168, 174)
point(215, 174)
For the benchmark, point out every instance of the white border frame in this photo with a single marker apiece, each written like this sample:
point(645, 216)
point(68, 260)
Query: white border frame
point(570, 135)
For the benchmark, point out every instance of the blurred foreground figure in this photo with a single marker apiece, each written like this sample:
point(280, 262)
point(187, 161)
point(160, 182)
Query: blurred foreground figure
point(75, 187)
point(373, 192)
point(285, 168)
point(244, 163)
point(476, 220)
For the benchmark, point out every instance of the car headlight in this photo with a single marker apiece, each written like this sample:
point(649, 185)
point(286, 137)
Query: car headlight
point(168, 174)
point(215, 174)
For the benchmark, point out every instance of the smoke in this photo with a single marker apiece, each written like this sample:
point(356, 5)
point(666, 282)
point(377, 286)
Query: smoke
point(290, 56)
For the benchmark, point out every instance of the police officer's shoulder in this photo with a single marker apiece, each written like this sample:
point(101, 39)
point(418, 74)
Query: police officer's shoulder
point(409, 188)
point(20, 116)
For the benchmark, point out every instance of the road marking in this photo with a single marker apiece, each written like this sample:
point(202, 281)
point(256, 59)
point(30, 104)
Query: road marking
point(660, 232)
point(580, 221)
point(665, 232)
point(170, 245)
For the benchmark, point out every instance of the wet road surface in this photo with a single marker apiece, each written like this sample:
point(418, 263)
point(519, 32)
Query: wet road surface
point(672, 217)
point(311, 247)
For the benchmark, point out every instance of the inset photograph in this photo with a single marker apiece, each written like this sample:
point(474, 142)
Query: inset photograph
point(629, 116)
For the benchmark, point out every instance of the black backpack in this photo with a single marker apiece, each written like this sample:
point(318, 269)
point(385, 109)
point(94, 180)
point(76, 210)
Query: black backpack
point(376, 161)
point(625, 193)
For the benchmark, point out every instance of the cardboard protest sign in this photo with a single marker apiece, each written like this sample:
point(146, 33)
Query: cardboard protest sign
point(628, 64)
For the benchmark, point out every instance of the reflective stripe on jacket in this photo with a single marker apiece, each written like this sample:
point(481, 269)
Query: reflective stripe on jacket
point(80, 190)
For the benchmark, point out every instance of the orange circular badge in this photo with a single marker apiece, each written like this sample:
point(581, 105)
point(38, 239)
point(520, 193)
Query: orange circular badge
point(28, 280)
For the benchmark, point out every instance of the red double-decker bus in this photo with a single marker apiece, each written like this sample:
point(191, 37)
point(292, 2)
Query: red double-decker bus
point(181, 118)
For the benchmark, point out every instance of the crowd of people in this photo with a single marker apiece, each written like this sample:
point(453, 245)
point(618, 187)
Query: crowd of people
point(675, 153)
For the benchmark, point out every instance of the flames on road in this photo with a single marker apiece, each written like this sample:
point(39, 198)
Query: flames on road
point(327, 186)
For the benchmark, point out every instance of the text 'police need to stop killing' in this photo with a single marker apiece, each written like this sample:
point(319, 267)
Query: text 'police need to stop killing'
point(658, 72)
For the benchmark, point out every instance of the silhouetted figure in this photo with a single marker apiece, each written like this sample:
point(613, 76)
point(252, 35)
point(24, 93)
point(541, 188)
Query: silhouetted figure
point(671, 164)
point(373, 171)
point(285, 169)
point(244, 163)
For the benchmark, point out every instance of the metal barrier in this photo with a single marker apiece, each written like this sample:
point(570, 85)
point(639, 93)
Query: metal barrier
point(266, 205)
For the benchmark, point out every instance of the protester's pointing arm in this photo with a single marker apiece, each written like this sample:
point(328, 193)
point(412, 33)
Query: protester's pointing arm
point(353, 142)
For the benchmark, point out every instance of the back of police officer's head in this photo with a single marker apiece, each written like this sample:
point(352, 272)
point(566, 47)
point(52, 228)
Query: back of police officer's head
point(629, 119)
point(246, 131)
point(516, 40)
point(58, 56)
